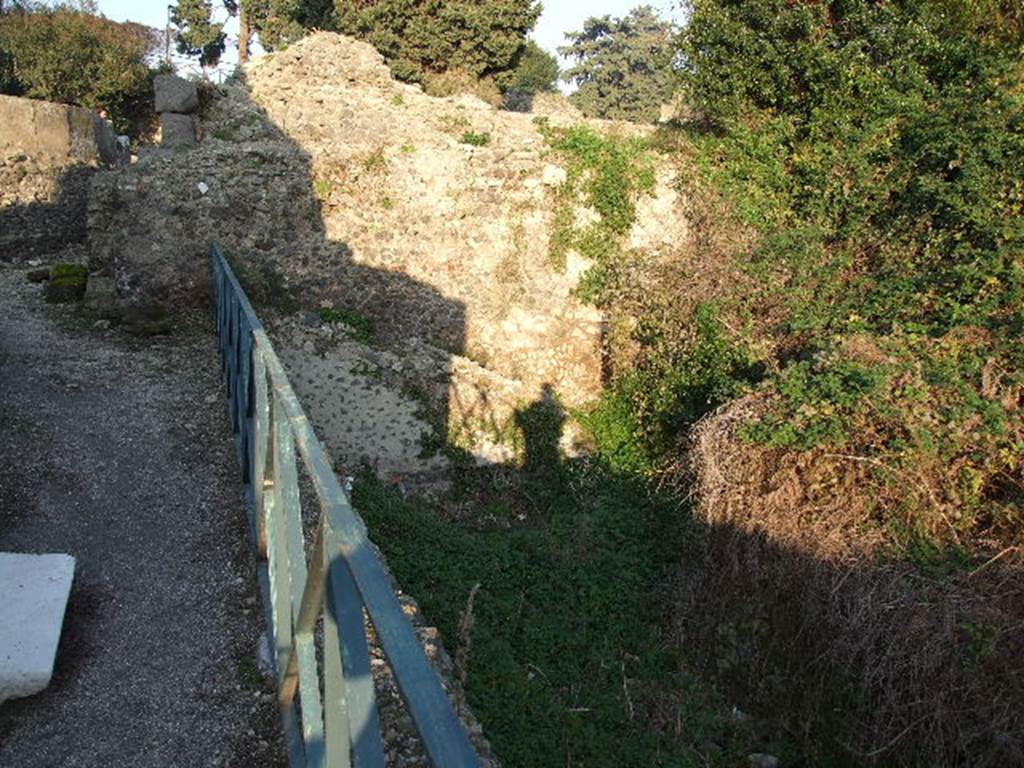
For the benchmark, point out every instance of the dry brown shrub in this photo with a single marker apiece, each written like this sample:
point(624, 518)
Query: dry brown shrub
point(807, 613)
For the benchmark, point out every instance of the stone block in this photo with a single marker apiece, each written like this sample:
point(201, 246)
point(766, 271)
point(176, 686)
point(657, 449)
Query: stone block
point(177, 130)
point(67, 283)
point(101, 298)
point(175, 94)
point(35, 591)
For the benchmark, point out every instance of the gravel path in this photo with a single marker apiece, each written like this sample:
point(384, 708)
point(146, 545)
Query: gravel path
point(117, 451)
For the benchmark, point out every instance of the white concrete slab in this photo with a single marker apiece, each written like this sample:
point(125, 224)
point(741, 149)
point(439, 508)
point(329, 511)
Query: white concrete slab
point(34, 592)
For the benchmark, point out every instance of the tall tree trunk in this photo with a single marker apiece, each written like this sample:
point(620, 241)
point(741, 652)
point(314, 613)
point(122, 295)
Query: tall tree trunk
point(244, 33)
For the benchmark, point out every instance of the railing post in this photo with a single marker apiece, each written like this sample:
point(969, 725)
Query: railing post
point(345, 607)
point(262, 481)
point(344, 573)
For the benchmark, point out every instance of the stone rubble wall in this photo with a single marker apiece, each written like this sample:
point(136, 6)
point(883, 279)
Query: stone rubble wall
point(47, 154)
point(329, 183)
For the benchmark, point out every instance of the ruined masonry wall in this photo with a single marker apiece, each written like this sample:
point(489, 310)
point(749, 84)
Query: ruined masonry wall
point(47, 154)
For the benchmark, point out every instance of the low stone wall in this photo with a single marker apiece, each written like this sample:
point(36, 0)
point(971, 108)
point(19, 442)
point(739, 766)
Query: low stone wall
point(47, 154)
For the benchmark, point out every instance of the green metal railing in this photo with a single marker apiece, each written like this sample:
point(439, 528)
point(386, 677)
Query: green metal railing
point(329, 707)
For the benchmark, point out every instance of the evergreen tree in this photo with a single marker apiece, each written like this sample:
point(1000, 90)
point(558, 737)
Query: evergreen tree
point(623, 67)
point(479, 37)
point(536, 71)
point(198, 35)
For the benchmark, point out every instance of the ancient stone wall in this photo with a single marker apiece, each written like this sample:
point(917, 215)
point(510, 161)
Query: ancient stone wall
point(328, 183)
point(47, 154)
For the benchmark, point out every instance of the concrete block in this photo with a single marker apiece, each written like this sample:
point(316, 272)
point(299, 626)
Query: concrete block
point(34, 592)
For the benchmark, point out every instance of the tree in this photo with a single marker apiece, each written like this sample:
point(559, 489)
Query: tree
point(198, 35)
point(482, 38)
point(101, 64)
point(536, 71)
point(623, 66)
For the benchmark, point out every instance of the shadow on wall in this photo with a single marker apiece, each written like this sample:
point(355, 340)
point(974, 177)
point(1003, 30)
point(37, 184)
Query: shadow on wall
point(48, 153)
point(56, 216)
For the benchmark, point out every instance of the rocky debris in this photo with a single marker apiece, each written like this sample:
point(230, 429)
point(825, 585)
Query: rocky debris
point(174, 94)
point(144, 320)
point(100, 298)
point(177, 130)
point(761, 760)
point(38, 275)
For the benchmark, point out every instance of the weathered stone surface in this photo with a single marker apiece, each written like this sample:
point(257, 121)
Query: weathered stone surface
point(100, 298)
point(62, 134)
point(35, 591)
point(177, 130)
point(174, 94)
point(47, 154)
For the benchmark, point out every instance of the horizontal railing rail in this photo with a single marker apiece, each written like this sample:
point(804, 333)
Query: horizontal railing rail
point(328, 706)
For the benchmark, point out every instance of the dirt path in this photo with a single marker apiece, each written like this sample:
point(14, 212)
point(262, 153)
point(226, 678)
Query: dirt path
point(117, 451)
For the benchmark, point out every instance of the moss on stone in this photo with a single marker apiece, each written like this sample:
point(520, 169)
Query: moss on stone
point(67, 283)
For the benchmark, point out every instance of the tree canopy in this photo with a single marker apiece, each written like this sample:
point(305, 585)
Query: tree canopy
point(198, 35)
point(101, 64)
point(419, 37)
point(536, 71)
point(623, 66)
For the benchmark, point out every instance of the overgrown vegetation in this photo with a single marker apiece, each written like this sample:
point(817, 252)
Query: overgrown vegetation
point(361, 327)
point(570, 662)
point(878, 152)
point(855, 279)
point(476, 138)
point(101, 64)
point(606, 174)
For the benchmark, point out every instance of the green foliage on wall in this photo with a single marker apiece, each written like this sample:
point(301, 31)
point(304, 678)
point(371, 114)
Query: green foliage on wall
point(606, 174)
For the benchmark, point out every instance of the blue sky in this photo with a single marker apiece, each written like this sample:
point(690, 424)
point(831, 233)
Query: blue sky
point(559, 16)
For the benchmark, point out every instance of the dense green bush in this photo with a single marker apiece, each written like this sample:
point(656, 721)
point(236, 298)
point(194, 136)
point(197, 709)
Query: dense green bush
point(877, 150)
point(419, 37)
point(867, 160)
point(73, 57)
point(536, 71)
